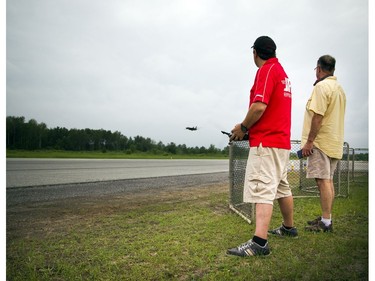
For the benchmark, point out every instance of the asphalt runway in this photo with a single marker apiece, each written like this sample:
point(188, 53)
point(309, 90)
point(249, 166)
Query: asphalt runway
point(41, 172)
point(46, 180)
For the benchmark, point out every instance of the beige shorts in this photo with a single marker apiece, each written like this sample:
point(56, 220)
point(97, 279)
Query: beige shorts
point(266, 175)
point(320, 166)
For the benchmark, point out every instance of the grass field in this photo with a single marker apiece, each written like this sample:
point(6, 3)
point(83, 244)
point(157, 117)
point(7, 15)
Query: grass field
point(179, 235)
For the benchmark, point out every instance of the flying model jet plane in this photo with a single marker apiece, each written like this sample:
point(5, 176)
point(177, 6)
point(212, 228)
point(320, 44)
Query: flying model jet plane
point(192, 128)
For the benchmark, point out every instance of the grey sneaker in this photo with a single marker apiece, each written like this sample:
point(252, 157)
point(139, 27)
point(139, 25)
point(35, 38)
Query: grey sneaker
point(320, 226)
point(250, 248)
point(282, 231)
point(314, 221)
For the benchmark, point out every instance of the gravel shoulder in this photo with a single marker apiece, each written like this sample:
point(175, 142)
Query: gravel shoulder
point(39, 194)
point(34, 210)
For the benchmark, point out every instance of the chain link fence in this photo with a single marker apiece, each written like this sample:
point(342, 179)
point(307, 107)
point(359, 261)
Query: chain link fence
point(300, 185)
point(359, 166)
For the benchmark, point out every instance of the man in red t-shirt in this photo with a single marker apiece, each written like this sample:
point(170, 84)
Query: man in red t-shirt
point(268, 123)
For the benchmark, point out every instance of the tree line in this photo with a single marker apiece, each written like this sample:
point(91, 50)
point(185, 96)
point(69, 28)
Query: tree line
point(32, 135)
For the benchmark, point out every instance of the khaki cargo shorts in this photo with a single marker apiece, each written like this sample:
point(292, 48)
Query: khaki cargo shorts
point(320, 166)
point(266, 175)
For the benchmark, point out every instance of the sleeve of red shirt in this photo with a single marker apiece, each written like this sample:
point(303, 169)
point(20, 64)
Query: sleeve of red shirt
point(263, 86)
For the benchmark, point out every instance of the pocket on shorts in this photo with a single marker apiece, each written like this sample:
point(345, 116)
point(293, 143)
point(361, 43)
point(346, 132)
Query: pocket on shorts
point(262, 178)
point(260, 183)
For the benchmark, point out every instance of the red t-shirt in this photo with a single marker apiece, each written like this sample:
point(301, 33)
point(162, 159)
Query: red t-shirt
point(272, 87)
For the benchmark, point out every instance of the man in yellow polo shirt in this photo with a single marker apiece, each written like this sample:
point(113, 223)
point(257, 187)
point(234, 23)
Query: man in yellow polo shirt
point(323, 137)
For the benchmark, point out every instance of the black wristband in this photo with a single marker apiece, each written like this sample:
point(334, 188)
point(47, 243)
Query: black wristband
point(243, 128)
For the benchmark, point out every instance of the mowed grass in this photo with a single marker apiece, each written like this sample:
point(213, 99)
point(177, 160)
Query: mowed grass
point(179, 235)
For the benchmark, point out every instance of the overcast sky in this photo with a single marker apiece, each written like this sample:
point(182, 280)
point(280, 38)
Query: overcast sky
point(151, 68)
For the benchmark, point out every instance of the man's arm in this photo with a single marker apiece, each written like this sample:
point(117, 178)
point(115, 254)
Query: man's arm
point(316, 123)
point(254, 113)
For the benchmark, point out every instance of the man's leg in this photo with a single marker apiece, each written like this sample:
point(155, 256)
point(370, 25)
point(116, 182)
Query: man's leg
point(287, 228)
point(263, 215)
point(258, 245)
point(286, 207)
point(327, 196)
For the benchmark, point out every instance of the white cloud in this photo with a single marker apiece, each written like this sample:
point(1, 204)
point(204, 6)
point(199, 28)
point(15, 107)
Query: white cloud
point(151, 68)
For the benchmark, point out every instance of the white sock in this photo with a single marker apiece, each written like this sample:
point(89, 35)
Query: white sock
point(326, 222)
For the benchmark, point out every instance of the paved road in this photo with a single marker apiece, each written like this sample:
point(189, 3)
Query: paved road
point(42, 172)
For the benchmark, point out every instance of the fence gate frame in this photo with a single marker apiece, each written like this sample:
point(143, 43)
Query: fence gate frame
point(301, 187)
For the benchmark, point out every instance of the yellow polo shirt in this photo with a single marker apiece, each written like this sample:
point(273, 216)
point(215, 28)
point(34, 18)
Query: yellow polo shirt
point(327, 99)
